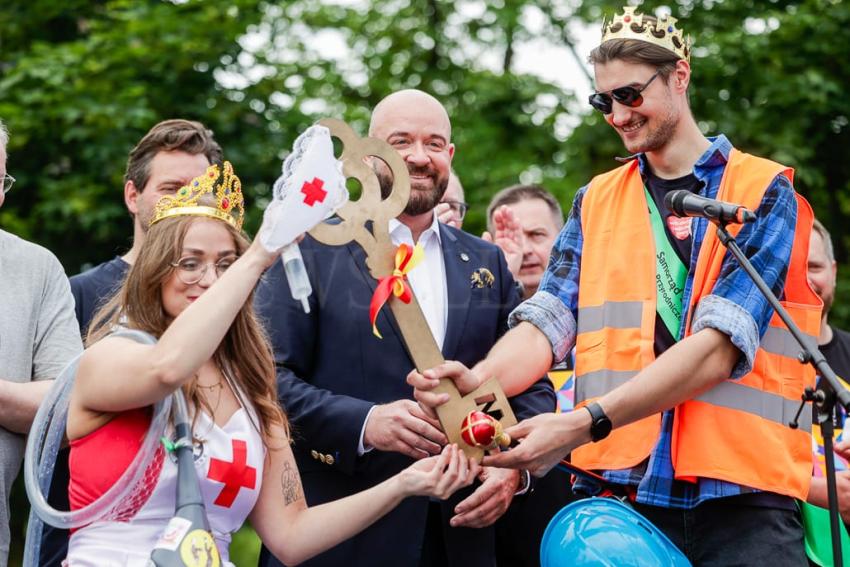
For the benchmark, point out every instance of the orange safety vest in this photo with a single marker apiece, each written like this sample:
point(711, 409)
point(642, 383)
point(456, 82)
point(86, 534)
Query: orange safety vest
point(737, 431)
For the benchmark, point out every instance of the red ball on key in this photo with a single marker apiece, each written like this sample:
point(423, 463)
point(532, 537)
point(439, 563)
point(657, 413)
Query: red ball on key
point(481, 430)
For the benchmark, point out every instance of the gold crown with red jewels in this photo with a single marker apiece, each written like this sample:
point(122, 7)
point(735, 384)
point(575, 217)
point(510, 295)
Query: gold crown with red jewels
point(662, 32)
point(217, 194)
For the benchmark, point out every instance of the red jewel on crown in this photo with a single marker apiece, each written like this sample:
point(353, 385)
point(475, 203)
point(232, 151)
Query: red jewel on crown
point(225, 204)
point(482, 430)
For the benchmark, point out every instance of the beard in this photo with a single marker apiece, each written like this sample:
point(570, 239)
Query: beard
point(656, 137)
point(423, 196)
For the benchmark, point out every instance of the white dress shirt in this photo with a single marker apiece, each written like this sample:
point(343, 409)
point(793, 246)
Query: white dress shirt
point(428, 279)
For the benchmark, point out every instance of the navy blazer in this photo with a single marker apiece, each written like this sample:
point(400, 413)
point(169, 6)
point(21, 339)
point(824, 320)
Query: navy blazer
point(332, 370)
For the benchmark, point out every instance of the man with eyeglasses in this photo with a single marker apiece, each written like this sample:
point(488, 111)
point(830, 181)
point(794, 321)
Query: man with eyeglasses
point(169, 156)
point(452, 207)
point(675, 350)
point(38, 337)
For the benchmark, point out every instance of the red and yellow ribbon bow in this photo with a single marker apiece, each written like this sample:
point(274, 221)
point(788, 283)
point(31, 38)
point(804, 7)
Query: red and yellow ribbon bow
point(405, 260)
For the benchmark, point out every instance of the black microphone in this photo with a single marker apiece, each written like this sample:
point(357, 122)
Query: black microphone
point(683, 203)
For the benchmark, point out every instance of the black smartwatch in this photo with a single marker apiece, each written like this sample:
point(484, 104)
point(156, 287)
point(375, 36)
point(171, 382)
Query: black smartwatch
point(600, 425)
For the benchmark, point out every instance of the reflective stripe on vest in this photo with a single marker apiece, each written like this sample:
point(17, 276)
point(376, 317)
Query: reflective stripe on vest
point(776, 341)
point(778, 409)
point(597, 384)
point(613, 314)
point(780, 341)
point(610, 321)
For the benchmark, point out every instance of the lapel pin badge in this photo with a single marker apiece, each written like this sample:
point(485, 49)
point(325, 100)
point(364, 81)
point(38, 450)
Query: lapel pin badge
point(481, 277)
point(464, 256)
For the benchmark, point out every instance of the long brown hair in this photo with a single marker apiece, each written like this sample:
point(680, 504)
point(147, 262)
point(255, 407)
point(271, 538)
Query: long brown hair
point(245, 351)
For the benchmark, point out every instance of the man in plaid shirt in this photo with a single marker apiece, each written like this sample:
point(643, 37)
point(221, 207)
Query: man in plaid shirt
point(642, 91)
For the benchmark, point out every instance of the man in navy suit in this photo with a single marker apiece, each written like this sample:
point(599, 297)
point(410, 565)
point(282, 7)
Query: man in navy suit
point(354, 420)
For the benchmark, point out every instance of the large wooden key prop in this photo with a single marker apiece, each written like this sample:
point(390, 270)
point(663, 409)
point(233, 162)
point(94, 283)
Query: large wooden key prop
point(457, 413)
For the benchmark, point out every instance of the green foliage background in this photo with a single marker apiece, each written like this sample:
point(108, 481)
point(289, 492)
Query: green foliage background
point(82, 81)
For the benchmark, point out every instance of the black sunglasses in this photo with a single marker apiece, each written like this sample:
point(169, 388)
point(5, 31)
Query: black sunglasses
point(629, 96)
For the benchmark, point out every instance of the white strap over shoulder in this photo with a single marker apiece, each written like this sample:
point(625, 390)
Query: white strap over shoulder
point(45, 439)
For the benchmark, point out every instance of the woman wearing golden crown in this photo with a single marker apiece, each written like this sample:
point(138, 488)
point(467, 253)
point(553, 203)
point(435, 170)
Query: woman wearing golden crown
point(211, 346)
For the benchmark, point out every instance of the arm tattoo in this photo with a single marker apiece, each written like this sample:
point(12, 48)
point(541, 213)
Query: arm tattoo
point(290, 484)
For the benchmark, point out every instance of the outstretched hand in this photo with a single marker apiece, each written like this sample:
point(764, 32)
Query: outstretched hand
point(507, 235)
point(544, 440)
point(440, 476)
point(489, 501)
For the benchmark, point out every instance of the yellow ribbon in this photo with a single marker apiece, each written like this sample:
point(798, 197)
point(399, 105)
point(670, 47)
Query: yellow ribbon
point(395, 284)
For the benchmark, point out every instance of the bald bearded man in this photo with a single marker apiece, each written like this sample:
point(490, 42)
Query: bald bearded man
point(344, 390)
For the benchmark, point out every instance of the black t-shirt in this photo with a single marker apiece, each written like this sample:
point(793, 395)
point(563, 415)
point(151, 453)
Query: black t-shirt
point(837, 353)
point(95, 287)
point(678, 233)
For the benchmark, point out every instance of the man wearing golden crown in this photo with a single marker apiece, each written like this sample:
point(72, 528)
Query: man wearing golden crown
point(38, 336)
point(685, 379)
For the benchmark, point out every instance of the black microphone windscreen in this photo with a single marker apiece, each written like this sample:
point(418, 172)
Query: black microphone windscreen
point(675, 201)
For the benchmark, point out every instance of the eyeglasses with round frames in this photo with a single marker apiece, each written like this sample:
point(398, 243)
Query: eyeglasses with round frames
point(458, 207)
point(191, 270)
point(8, 181)
point(628, 96)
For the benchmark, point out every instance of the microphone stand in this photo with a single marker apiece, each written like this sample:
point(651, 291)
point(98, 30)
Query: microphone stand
point(824, 396)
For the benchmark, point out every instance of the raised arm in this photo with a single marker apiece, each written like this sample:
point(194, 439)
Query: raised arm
point(117, 374)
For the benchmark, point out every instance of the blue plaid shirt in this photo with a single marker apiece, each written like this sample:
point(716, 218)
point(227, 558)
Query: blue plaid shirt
point(735, 307)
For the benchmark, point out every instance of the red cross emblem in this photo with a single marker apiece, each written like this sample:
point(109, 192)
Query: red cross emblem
point(313, 192)
point(235, 475)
